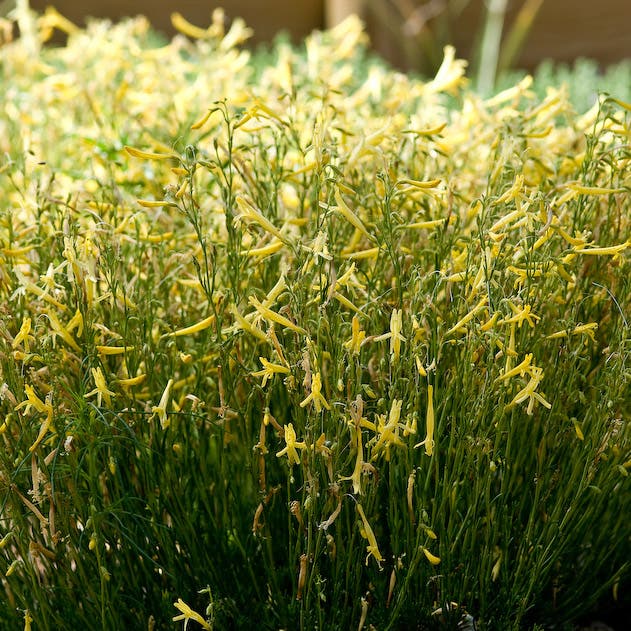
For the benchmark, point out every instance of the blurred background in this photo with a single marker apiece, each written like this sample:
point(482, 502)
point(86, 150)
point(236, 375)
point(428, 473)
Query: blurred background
point(411, 33)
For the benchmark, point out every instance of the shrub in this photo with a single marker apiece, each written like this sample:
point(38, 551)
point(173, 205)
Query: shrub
point(326, 345)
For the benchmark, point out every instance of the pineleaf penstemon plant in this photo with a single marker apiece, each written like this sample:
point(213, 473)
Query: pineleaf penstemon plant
point(309, 344)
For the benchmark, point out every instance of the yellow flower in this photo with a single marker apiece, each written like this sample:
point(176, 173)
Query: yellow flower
point(265, 250)
point(27, 620)
point(319, 247)
point(29, 286)
point(418, 184)
point(588, 329)
point(349, 279)
point(101, 391)
point(450, 75)
point(291, 445)
point(593, 190)
point(51, 20)
point(350, 216)
point(316, 395)
point(246, 325)
point(113, 350)
point(395, 336)
point(611, 250)
point(354, 344)
point(62, 331)
point(188, 614)
point(193, 328)
point(429, 423)
point(521, 369)
point(356, 423)
point(467, 318)
point(529, 392)
point(24, 336)
point(161, 409)
point(432, 558)
point(148, 155)
point(190, 30)
point(521, 315)
point(367, 533)
point(269, 370)
point(389, 432)
point(251, 214)
point(76, 322)
point(272, 316)
point(131, 381)
point(33, 401)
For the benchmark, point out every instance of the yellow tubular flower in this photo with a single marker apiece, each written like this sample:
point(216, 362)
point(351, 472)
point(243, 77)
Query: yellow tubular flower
point(154, 203)
point(27, 620)
point(433, 559)
point(450, 74)
point(266, 250)
point(593, 190)
point(33, 401)
point(23, 337)
point(367, 533)
point(101, 391)
point(252, 214)
point(76, 322)
point(356, 423)
point(521, 315)
point(529, 392)
point(350, 216)
point(188, 614)
point(200, 123)
point(389, 433)
point(247, 326)
point(354, 344)
point(291, 445)
point(467, 318)
point(356, 476)
point(194, 328)
point(396, 325)
point(521, 369)
point(607, 251)
point(113, 350)
point(161, 409)
point(132, 381)
point(434, 223)
point(62, 331)
point(348, 278)
point(395, 336)
point(589, 330)
point(52, 19)
point(272, 316)
point(31, 287)
point(489, 324)
point(419, 184)
point(576, 241)
point(269, 370)
point(362, 254)
point(432, 131)
point(419, 366)
point(315, 395)
point(148, 155)
point(343, 300)
point(429, 423)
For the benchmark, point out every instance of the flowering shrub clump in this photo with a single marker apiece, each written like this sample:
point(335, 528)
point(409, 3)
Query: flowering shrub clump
point(341, 346)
